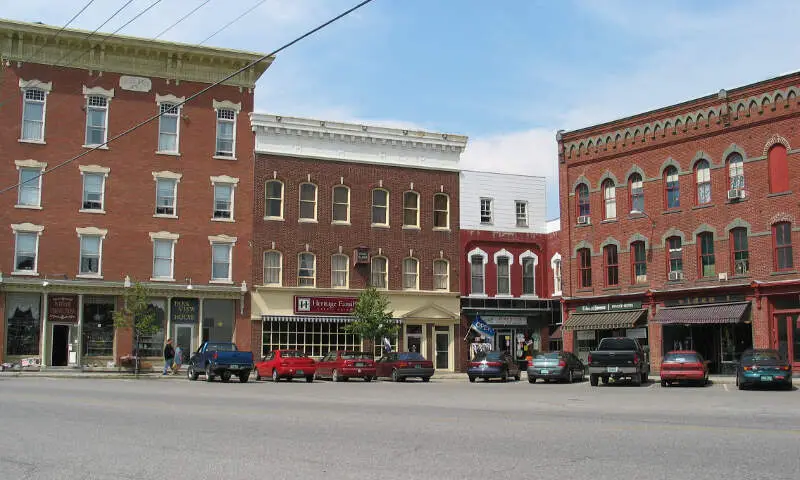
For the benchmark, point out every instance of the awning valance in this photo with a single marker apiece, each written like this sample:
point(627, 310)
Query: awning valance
point(703, 314)
point(605, 320)
point(312, 318)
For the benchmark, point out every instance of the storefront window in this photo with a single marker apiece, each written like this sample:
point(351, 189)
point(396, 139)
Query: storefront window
point(379, 349)
point(152, 345)
point(414, 338)
point(23, 324)
point(314, 338)
point(98, 326)
point(218, 320)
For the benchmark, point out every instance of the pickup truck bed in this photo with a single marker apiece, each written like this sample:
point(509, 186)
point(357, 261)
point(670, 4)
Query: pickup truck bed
point(220, 359)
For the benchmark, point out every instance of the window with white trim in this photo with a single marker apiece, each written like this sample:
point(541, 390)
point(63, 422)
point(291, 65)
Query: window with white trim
point(411, 209)
point(410, 274)
point(226, 133)
point(503, 275)
point(441, 211)
point(341, 204)
point(441, 274)
point(273, 196)
point(26, 251)
point(96, 120)
point(380, 207)
point(339, 271)
point(221, 261)
point(33, 114)
point(273, 264)
point(91, 254)
point(306, 270)
point(30, 187)
point(93, 191)
point(163, 255)
point(379, 270)
point(308, 201)
point(555, 265)
point(477, 274)
point(166, 196)
point(223, 201)
point(486, 211)
point(168, 128)
point(609, 199)
point(528, 275)
point(521, 208)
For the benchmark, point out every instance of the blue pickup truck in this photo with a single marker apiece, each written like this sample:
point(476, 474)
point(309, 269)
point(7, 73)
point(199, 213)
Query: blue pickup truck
point(220, 359)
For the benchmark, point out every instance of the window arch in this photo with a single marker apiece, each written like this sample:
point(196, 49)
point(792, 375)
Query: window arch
point(636, 192)
point(582, 200)
point(441, 211)
point(273, 199)
point(672, 188)
point(273, 267)
point(411, 209)
point(308, 202)
point(740, 251)
point(340, 271)
point(380, 207)
point(306, 270)
point(585, 267)
point(410, 273)
point(609, 200)
point(702, 171)
point(477, 265)
point(735, 171)
point(340, 204)
point(441, 274)
point(782, 246)
point(778, 169)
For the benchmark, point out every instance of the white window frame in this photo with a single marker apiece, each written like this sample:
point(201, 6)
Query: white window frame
point(490, 204)
point(346, 221)
point(264, 268)
point(46, 88)
point(346, 270)
point(556, 265)
point(535, 258)
point(300, 201)
point(385, 275)
point(485, 259)
point(736, 171)
point(107, 95)
point(220, 241)
point(27, 229)
point(446, 211)
point(220, 106)
point(167, 176)
point(91, 232)
point(609, 200)
point(224, 181)
point(165, 103)
point(503, 253)
point(267, 199)
point(525, 223)
point(313, 270)
point(439, 276)
point(415, 273)
point(27, 165)
point(166, 237)
point(415, 209)
point(374, 206)
point(102, 172)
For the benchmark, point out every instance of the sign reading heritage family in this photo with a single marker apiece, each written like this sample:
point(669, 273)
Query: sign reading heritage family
point(62, 308)
point(705, 299)
point(184, 310)
point(325, 305)
point(610, 307)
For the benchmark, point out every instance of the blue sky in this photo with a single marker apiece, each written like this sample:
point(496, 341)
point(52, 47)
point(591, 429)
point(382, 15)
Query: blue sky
point(507, 73)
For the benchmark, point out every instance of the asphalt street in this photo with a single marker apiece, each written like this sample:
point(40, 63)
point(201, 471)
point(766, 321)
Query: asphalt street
point(54, 428)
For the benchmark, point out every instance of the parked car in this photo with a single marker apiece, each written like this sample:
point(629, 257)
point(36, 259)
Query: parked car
point(218, 358)
point(487, 365)
point(401, 365)
point(684, 366)
point(343, 365)
point(561, 366)
point(286, 364)
point(763, 367)
point(618, 358)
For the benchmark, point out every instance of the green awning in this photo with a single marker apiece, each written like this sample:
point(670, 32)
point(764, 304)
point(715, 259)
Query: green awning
point(604, 320)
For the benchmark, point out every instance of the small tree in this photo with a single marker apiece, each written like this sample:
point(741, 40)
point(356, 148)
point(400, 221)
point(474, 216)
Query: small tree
point(372, 320)
point(138, 315)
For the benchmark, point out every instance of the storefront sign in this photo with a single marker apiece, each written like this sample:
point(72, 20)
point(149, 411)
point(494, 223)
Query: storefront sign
point(184, 310)
point(135, 84)
point(325, 305)
point(610, 307)
point(704, 300)
point(62, 308)
point(638, 332)
point(511, 321)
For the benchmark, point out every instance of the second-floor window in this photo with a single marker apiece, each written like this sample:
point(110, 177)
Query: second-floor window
point(380, 207)
point(411, 209)
point(410, 274)
point(168, 128)
point(30, 187)
point(582, 196)
point(736, 171)
point(306, 270)
point(221, 261)
point(703, 176)
point(521, 208)
point(25, 252)
point(379, 269)
point(584, 268)
point(707, 260)
point(96, 120)
point(273, 199)
point(782, 238)
point(272, 268)
point(93, 187)
point(740, 254)
point(503, 275)
point(609, 200)
point(341, 204)
point(339, 271)
point(611, 260)
point(223, 201)
point(33, 110)
point(675, 254)
point(163, 250)
point(308, 201)
point(528, 276)
point(441, 211)
point(636, 192)
point(476, 267)
point(166, 192)
point(90, 254)
point(486, 211)
point(226, 133)
point(639, 259)
point(441, 275)
point(672, 188)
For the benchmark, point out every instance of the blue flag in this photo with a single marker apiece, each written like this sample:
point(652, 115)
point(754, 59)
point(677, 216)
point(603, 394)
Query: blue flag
point(482, 327)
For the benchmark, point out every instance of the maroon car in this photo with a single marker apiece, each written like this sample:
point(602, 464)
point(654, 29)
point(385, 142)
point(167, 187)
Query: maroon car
point(401, 365)
point(343, 365)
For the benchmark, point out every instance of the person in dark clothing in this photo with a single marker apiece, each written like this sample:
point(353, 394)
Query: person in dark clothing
point(169, 356)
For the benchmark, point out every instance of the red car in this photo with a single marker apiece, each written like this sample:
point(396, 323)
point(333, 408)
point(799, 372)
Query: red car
point(286, 364)
point(683, 366)
point(342, 365)
point(401, 365)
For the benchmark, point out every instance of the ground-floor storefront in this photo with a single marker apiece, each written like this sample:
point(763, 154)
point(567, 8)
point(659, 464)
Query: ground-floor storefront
point(65, 323)
point(780, 305)
point(314, 322)
point(591, 323)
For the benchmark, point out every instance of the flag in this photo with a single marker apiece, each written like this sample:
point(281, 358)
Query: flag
point(482, 327)
point(387, 345)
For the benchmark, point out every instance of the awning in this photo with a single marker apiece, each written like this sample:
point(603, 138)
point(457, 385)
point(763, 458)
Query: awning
point(605, 320)
point(312, 318)
point(702, 314)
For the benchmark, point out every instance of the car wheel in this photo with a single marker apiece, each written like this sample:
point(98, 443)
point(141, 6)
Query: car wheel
point(225, 376)
point(605, 380)
point(471, 379)
point(209, 374)
point(637, 380)
point(288, 379)
point(518, 376)
point(570, 379)
point(258, 376)
point(335, 376)
point(504, 378)
point(275, 376)
point(244, 376)
point(664, 383)
point(310, 379)
point(531, 379)
point(593, 380)
point(739, 384)
point(367, 379)
point(191, 374)
point(426, 379)
point(395, 376)
point(644, 378)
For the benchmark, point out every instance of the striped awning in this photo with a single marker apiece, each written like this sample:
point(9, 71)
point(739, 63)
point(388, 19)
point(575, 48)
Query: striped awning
point(703, 314)
point(605, 320)
point(312, 318)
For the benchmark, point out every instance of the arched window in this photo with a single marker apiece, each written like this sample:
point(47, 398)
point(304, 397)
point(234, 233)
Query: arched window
point(740, 253)
point(706, 259)
point(609, 200)
point(306, 270)
point(555, 265)
point(582, 200)
point(778, 169)
point(636, 192)
point(341, 204)
point(672, 188)
point(339, 271)
point(735, 171)
point(273, 199)
point(477, 265)
point(782, 244)
point(585, 267)
point(503, 274)
point(702, 173)
point(272, 268)
point(638, 263)
point(308, 202)
point(410, 274)
point(379, 269)
point(611, 265)
point(441, 211)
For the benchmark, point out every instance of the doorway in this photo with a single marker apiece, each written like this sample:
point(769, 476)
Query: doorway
point(789, 336)
point(185, 338)
point(60, 349)
point(442, 352)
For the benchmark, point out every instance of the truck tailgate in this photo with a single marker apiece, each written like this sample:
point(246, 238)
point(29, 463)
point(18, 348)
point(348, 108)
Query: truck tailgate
point(612, 359)
point(234, 358)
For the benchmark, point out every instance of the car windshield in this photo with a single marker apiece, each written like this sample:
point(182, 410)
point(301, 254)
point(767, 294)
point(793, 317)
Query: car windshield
point(221, 347)
point(355, 355)
point(761, 356)
point(547, 356)
point(410, 356)
point(681, 358)
point(292, 354)
point(617, 344)
point(491, 356)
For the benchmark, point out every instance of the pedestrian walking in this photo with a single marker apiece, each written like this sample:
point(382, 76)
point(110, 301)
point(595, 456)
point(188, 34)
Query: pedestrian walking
point(176, 366)
point(169, 356)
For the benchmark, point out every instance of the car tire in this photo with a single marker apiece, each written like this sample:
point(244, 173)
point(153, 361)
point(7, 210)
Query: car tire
point(244, 376)
point(368, 379)
point(531, 379)
point(395, 375)
point(258, 376)
point(644, 378)
point(426, 379)
point(637, 380)
point(335, 376)
point(209, 374)
point(664, 383)
point(594, 380)
point(518, 377)
point(570, 378)
point(275, 376)
point(289, 379)
point(310, 379)
point(225, 376)
point(605, 380)
point(191, 374)
point(471, 379)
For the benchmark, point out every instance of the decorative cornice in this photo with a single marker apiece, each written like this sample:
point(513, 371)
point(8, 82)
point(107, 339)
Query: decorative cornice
point(162, 235)
point(27, 227)
point(222, 239)
point(34, 83)
point(169, 98)
point(227, 104)
point(94, 169)
point(30, 164)
point(224, 179)
point(167, 174)
point(102, 232)
point(98, 91)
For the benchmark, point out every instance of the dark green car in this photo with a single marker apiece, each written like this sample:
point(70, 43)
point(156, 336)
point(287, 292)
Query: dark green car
point(763, 367)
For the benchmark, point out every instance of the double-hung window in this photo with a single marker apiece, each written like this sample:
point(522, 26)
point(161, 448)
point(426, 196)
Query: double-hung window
point(782, 238)
point(96, 120)
point(521, 208)
point(585, 267)
point(33, 111)
point(93, 191)
point(707, 259)
point(582, 196)
point(636, 192)
point(29, 193)
point(273, 199)
point(379, 270)
point(609, 200)
point(736, 171)
point(226, 133)
point(380, 207)
point(339, 271)
point(306, 270)
point(441, 211)
point(166, 196)
point(477, 273)
point(341, 204)
point(675, 255)
point(224, 194)
point(26, 248)
point(611, 261)
point(410, 274)
point(163, 257)
point(308, 202)
point(639, 258)
point(503, 275)
point(272, 268)
point(221, 261)
point(528, 276)
point(740, 252)
point(441, 275)
point(169, 127)
point(672, 190)
point(486, 211)
point(411, 209)
point(91, 250)
point(703, 176)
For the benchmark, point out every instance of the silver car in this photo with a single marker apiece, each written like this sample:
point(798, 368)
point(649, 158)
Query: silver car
point(559, 366)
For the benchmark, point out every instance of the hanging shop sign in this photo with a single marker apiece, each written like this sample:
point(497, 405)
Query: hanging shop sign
point(324, 305)
point(638, 332)
point(184, 310)
point(704, 300)
point(610, 307)
point(361, 255)
point(62, 308)
point(510, 321)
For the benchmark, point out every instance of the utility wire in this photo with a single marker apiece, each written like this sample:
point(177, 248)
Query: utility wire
point(191, 97)
point(54, 36)
point(180, 20)
point(98, 28)
point(258, 4)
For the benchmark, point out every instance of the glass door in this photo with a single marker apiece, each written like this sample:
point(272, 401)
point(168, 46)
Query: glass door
point(414, 338)
point(442, 348)
point(185, 338)
point(789, 336)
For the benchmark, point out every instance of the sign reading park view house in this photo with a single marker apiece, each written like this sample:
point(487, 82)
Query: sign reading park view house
point(62, 308)
point(609, 307)
point(324, 305)
point(184, 310)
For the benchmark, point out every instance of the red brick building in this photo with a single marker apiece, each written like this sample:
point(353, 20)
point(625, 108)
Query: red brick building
point(678, 226)
point(511, 267)
point(340, 206)
point(168, 205)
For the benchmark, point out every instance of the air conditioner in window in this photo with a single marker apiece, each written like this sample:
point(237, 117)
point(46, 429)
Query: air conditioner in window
point(723, 276)
point(735, 194)
point(742, 194)
point(583, 220)
point(675, 276)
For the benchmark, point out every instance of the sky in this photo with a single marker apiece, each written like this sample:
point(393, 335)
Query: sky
point(506, 73)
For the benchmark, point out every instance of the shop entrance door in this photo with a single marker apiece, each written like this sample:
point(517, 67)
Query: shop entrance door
point(504, 342)
point(442, 348)
point(789, 336)
point(185, 338)
point(59, 354)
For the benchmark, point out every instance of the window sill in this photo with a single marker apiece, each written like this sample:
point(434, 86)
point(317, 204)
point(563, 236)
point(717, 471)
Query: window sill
point(34, 142)
point(340, 222)
point(715, 278)
point(671, 212)
point(89, 276)
point(410, 227)
point(307, 220)
point(503, 295)
point(609, 220)
point(783, 272)
point(169, 154)
point(779, 194)
point(585, 290)
point(28, 207)
point(613, 288)
point(220, 282)
point(25, 273)
point(640, 285)
point(223, 157)
point(487, 224)
point(161, 279)
point(700, 207)
point(478, 295)
point(86, 210)
point(529, 296)
point(96, 147)
point(634, 216)
point(584, 225)
point(274, 219)
point(164, 215)
point(740, 276)
point(225, 220)
point(380, 225)
point(441, 229)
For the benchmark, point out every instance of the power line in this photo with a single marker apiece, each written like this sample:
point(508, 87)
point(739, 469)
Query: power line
point(62, 28)
point(258, 4)
point(191, 97)
point(180, 20)
point(90, 35)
